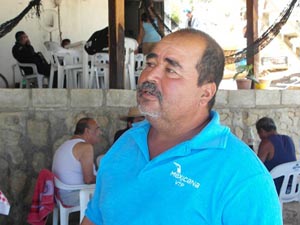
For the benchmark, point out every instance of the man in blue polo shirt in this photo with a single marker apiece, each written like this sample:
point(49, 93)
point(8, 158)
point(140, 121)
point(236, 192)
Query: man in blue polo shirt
point(181, 166)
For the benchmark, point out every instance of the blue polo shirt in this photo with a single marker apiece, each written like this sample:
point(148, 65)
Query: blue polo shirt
point(213, 178)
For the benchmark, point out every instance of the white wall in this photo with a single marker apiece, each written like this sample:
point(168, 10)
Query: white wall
point(79, 19)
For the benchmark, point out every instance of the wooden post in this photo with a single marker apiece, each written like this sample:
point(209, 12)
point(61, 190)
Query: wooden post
point(252, 33)
point(250, 59)
point(255, 36)
point(116, 43)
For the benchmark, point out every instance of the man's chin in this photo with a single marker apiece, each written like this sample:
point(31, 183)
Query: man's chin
point(149, 111)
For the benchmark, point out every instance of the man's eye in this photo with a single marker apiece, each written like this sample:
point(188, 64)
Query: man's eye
point(170, 70)
point(149, 64)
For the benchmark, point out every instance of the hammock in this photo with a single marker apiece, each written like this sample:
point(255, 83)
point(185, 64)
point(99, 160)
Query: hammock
point(9, 25)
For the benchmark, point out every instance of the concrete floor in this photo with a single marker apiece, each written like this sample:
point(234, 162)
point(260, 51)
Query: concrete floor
point(291, 213)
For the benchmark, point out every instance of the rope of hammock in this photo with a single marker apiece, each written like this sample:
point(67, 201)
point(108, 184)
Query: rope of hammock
point(6, 27)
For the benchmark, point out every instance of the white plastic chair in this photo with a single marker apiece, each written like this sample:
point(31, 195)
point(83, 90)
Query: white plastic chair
point(139, 64)
point(52, 46)
point(66, 63)
point(85, 196)
point(99, 70)
point(35, 76)
point(129, 64)
point(85, 193)
point(290, 188)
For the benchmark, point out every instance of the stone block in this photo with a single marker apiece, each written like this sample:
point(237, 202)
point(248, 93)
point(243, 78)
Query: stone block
point(267, 97)
point(17, 182)
point(16, 154)
point(290, 97)
point(37, 132)
point(10, 137)
point(3, 166)
point(221, 98)
point(49, 98)
point(241, 98)
point(39, 161)
point(14, 98)
point(123, 98)
point(91, 98)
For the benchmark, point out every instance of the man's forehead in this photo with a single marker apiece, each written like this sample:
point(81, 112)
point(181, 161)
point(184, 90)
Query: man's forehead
point(92, 123)
point(173, 48)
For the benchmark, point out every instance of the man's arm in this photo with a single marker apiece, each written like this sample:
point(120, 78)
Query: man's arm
point(265, 150)
point(84, 152)
point(86, 221)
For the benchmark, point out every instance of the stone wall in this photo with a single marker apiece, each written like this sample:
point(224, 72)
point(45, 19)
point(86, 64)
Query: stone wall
point(34, 122)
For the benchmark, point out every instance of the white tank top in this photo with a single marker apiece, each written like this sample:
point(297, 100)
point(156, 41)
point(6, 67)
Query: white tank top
point(65, 166)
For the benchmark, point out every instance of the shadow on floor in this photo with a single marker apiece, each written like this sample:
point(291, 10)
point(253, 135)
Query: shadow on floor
point(73, 219)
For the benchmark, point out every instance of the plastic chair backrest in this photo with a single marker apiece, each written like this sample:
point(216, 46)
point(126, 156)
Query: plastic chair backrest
point(130, 46)
point(31, 65)
point(139, 61)
point(290, 188)
point(139, 64)
point(101, 58)
point(100, 68)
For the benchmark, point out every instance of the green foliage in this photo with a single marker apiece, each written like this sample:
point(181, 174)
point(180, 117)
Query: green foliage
point(175, 17)
point(249, 72)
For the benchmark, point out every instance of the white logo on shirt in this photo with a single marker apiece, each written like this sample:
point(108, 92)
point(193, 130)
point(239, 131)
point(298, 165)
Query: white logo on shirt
point(181, 179)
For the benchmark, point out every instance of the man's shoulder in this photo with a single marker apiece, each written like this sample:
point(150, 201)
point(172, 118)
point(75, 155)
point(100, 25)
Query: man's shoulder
point(17, 48)
point(83, 149)
point(287, 137)
point(83, 145)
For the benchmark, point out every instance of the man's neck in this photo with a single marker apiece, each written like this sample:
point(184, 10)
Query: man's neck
point(162, 138)
point(78, 136)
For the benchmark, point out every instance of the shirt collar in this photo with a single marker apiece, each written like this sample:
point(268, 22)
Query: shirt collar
point(213, 136)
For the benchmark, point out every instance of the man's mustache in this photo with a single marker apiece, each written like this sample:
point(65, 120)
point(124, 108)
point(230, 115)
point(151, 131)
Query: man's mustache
point(149, 87)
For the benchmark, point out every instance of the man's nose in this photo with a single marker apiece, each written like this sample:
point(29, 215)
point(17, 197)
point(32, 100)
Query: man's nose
point(155, 74)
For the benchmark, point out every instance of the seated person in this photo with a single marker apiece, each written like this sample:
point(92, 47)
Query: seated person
point(73, 162)
point(274, 149)
point(97, 42)
point(133, 116)
point(23, 52)
point(65, 42)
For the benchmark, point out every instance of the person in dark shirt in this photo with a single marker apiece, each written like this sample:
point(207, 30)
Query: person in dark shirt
point(23, 52)
point(133, 116)
point(97, 42)
point(274, 149)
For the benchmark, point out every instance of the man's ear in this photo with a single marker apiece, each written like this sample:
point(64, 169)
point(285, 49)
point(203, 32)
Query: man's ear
point(86, 130)
point(208, 91)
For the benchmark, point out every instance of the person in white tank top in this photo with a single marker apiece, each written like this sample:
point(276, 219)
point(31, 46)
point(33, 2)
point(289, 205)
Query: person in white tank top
point(73, 161)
